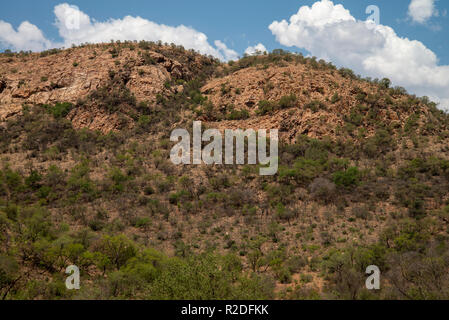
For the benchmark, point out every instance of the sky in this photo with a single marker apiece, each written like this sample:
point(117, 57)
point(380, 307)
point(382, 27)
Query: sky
point(407, 42)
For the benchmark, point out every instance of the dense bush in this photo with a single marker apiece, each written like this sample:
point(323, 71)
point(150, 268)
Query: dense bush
point(348, 178)
point(322, 189)
point(59, 110)
point(316, 106)
point(268, 107)
point(104, 201)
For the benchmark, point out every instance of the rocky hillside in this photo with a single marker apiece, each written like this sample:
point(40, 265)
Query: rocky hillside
point(86, 179)
point(324, 96)
point(75, 74)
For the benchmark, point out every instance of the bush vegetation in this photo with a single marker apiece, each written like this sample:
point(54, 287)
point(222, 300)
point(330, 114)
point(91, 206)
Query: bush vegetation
point(140, 228)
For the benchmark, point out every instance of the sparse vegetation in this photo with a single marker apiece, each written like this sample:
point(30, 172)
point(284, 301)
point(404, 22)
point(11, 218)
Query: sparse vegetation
point(362, 181)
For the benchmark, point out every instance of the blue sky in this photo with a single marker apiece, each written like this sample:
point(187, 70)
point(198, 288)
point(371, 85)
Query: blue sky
point(240, 24)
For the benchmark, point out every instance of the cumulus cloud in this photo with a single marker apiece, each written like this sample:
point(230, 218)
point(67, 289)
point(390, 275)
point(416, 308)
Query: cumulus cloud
point(76, 27)
point(330, 32)
point(257, 49)
point(422, 10)
point(228, 54)
point(27, 37)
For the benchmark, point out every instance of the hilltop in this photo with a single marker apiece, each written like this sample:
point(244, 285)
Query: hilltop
point(86, 179)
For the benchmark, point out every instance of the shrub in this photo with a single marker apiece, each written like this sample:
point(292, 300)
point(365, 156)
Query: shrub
point(148, 190)
point(322, 189)
point(176, 198)
point(284, 213)
point(238, 115)
point(361, 212)
point(296, 263)
point(355, 117)
point(303, 171)
point(142, 222)
point(347, 73)
point(385, 83)
point(33, 180)
point(348, 178)
point(412, 123)
point(335, 98)
point(266, 107)
point(59, 110)
point(115, 251)
point(287, 102)
point(9, 271)
point(80, 184)
point(284, 276)
point(114, 52)
point(316, 106)
point(383, 139)
point(148, 59)
point(225, 89)
point(118, 179)
point(115, 94)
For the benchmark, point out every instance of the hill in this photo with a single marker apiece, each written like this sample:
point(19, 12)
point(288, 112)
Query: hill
point(86, 179)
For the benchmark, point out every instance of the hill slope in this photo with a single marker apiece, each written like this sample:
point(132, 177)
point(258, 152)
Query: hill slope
point(86, 179)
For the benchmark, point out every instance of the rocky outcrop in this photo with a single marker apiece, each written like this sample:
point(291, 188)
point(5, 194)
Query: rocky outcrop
point(244, 89)
point(97, 120)
point(73, 74)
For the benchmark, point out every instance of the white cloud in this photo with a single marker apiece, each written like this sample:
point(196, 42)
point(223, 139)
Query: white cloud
point(422, 10)
point(27, 37)
point(76, 27)
point(228, 54)
point(259, 48)
point(330, 32)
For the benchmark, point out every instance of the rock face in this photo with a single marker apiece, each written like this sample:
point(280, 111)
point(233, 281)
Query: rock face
point(244, 89)
point(72, 74)
point(95, 119)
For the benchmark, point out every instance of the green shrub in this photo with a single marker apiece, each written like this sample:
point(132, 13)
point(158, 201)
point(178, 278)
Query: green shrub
point(148, 59)
point(347, 73)
point(118, 179)
point(9, 271)
point(335, 98)
point(115, 252)
point(59, 110)
point(385, 83)
point(266, 107)
point(303, 171)
point(238, 115)
point(348, 178)
point(287, 102)
point(316, 106)
point(176, 198)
